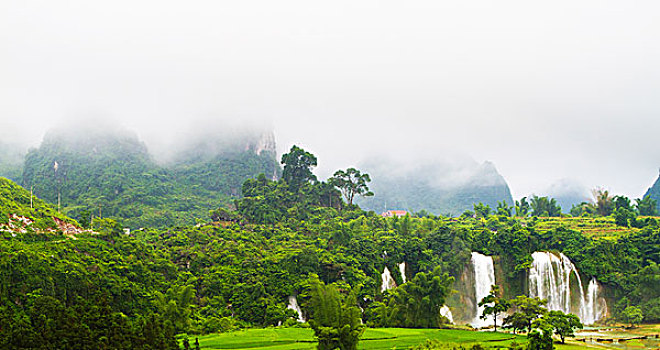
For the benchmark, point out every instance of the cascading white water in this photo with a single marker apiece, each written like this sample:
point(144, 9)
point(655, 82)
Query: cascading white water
point(596, 307)
point(402, 270)
point(444, 311)
point(550, 278)
point(484, 278)
point(388, 281)
point(293, 305)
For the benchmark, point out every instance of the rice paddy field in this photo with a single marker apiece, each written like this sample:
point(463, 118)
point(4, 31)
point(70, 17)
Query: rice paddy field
point(598, 227)
point(379, 338)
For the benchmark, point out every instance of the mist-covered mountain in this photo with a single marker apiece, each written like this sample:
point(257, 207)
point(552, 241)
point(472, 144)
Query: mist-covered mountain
point(88, 162)
point(438, 186)
point(238, 152)
point(107, 171)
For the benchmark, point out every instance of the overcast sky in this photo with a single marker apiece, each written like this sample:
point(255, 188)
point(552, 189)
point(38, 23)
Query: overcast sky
point(547, 91)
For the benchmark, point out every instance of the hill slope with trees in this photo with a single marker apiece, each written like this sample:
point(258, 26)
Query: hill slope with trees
point(108, 172)
point(21, 211)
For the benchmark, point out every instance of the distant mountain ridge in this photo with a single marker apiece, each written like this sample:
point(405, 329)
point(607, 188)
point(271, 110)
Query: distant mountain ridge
point(439, 187)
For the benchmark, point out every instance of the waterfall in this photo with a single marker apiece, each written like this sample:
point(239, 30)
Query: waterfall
point(484, 278)
point(550, 278)
point(444, 311)
point(293, 305)
point(388, 281)
point(596, 307)
point(402, 270)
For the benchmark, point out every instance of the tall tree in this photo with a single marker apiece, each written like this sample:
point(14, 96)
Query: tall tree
point(481, 210)
point(522, 207)
point(622, 202)
point(563, 324)
point(503, 208)
point(624, 217)
point(494, 304)
point(544, 206)
point(540, 337)
point(334, 317)
point(527, 310)
point(351, 183)
point(632, 315)
point(417, 303)
point(298, 165)
point(176, 305)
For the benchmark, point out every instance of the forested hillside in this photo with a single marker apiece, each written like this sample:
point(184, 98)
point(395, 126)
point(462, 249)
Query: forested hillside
point(22, 212)
point(109, 173)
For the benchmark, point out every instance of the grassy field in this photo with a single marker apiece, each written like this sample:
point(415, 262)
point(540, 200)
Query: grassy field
point(381, 338)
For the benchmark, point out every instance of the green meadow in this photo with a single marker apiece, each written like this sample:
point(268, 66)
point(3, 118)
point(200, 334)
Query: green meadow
point(379, 338)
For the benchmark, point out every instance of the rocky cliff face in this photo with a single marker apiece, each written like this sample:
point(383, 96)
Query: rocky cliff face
point(265, 145)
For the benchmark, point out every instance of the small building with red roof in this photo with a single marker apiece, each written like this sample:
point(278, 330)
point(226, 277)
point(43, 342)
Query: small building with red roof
point(393, 213)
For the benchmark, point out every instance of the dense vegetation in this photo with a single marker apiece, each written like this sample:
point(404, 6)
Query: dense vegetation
point(110, 174)
point(240, 269)
point(18, 208)
point(92, 292)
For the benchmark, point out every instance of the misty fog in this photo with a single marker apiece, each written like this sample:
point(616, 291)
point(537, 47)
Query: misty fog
point(552, 91)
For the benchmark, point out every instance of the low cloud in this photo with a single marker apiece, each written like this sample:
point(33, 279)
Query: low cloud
point(544, 91)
